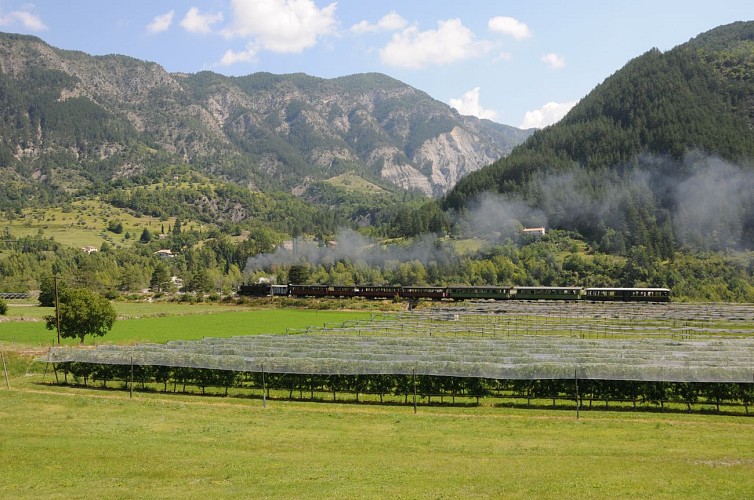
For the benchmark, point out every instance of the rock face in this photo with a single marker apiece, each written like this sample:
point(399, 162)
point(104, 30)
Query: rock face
point(274, 131)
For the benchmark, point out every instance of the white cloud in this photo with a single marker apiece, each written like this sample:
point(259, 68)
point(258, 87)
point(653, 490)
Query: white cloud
point(233, 57)
point(503, 56)
point(388, 22)
point(554, 61)
point(27, 19)
point(509, 26)
point(281, 25)
point(414, 49)
point(548, 114)
point(198, 22)
point(468, 104)
point(161, 23)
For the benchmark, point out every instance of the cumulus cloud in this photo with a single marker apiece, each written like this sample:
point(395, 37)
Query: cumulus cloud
point(232, 57)
point(509, 26)
point(198, 22)
point(548, 114)
point(388, 22)
point(27, 19)
point(414, 49)
point(468, 104)
point(281, 25)
point(554, 61)
point(161, 23)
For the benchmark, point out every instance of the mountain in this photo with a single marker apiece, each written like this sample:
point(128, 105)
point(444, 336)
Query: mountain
point(83, 119)
point(658, 155)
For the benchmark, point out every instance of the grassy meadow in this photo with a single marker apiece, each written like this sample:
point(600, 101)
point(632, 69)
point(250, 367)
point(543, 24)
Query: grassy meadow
point(82, 223)
point(164, 321)
point(73, 442)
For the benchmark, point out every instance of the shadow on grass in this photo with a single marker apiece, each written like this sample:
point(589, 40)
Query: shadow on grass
point(565, 406)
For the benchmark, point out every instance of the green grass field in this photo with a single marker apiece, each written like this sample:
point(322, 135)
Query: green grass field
point(61, 442)
point(168, 321)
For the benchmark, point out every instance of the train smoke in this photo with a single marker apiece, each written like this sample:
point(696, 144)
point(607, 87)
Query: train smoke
point(708, 202)
point(355, 248)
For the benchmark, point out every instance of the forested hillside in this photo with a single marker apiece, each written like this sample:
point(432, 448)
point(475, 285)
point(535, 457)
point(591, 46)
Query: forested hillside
point(661, 154)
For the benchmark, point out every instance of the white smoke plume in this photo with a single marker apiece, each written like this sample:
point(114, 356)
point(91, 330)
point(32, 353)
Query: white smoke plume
point(708, 202)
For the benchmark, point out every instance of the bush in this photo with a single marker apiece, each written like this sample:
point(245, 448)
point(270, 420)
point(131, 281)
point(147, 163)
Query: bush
point(3, 307)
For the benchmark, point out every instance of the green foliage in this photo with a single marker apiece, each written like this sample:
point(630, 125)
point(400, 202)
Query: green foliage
point(82, 312)
point(160, 280)
point(115, 226)
point(146, 236)
point(47, 290)
point(200, 282)
point(298, 274)
point(3, 307)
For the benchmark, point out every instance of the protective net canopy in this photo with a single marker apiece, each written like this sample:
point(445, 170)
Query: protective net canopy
point(463, 342)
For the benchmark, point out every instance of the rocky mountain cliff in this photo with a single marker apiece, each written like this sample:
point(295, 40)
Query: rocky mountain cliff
point(62, 109)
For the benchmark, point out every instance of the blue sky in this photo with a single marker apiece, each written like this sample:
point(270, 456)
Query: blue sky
point(522, 63)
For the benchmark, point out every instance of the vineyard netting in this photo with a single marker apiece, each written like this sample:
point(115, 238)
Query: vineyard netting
point(622, 342)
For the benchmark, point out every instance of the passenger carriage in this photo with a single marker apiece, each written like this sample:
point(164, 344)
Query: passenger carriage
point(628, 294)
point(548, 293)
point(423, 292)
point(307, 290)
point(479, 292)
point(378, 292)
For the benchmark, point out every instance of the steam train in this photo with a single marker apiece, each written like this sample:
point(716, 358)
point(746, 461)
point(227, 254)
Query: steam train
point(570, 293)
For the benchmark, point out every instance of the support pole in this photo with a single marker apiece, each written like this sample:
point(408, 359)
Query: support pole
point(578, 405)
point(264, 390)
point(57, 306)
point(413, 376)
point(131, 391)
point(5, 370)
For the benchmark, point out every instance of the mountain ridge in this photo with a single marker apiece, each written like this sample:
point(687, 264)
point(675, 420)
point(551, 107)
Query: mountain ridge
point(261, 130)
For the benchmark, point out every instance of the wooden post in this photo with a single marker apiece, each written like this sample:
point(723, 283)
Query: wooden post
point(131, 391)
point(5, 370)
point(57, 306)
point(413, 376)
point(264, 390)
point(576, 379)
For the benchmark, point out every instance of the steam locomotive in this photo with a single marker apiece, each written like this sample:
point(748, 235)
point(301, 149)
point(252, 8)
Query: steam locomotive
point(570, 293)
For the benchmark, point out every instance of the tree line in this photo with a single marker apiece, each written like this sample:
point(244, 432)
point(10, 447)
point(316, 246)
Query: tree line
point(208, 263)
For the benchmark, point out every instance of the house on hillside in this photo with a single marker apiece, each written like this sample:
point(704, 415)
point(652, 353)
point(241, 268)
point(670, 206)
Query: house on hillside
point(536, 231)
point(164, 254)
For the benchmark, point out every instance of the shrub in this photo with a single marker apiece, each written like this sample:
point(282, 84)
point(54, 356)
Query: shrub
point(3, 307)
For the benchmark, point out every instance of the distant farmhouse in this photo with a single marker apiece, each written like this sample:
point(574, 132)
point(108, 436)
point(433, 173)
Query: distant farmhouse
point(164, 254)
point(536, 231)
